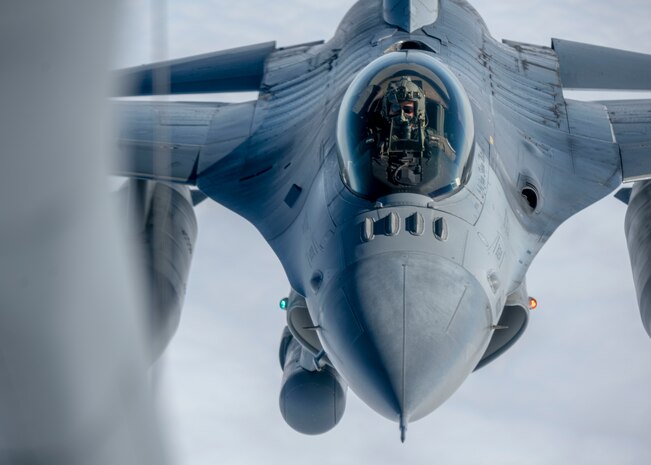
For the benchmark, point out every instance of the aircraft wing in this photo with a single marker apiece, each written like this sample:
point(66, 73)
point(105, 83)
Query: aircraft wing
point(177, 142)
point(173, 141)
point(235, 153)
point(631, 125)
point(585, 66)
point(234, 70)
point(568, 65)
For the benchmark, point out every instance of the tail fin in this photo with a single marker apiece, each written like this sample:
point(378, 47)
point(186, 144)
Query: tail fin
point(410, 14)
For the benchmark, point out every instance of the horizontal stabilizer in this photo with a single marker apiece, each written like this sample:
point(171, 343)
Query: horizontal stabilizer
point(234, 70)
point(631, 126)
point(585, 66)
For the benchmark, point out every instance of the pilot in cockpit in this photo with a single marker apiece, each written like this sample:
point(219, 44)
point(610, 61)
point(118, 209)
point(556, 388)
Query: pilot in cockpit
point(405, 148)
point(405, 125)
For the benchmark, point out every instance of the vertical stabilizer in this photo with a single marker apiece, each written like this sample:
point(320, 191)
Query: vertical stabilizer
point(410, 14)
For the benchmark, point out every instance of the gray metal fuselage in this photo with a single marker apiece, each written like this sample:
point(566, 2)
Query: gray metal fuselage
point(406, 291)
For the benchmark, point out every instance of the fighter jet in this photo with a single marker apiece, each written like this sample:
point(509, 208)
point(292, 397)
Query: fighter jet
point(405, 173)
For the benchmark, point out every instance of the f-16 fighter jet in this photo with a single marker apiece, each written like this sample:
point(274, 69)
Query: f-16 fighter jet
point(406, 173)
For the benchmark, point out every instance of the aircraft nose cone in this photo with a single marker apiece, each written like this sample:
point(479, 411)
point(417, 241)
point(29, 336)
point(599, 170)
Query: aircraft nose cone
point(405, 330)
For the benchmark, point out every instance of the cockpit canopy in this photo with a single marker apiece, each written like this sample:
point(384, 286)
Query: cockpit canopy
point(405, 125)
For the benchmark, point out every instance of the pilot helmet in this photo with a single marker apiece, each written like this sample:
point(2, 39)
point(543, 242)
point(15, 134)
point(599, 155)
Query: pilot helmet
point(404, 99)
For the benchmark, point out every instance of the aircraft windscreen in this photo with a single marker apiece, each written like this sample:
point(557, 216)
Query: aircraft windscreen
point(405, 125)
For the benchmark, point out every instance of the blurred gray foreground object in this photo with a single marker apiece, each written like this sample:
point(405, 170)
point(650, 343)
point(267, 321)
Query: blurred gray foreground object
point(73, 351)
point(406, 173)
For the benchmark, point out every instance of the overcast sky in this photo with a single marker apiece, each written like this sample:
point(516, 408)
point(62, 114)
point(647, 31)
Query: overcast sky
point(573, 390)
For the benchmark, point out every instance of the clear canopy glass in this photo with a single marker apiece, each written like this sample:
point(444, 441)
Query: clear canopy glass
point(405, 125)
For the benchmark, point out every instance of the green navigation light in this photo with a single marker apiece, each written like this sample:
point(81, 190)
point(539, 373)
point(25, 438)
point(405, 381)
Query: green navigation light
point(283, 303)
